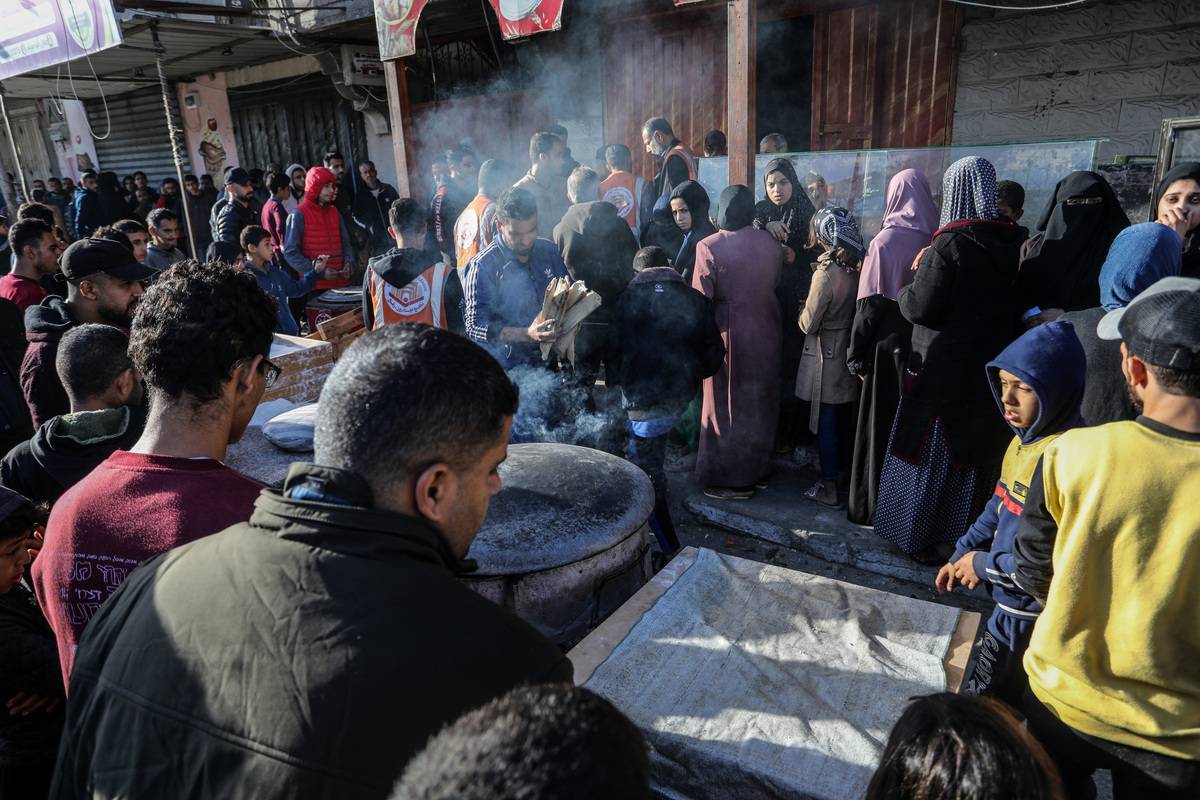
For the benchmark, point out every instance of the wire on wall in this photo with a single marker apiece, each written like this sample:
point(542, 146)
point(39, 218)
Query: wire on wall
point(1049, 7)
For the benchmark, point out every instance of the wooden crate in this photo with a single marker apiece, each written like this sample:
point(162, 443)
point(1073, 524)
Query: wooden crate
point(306, 363)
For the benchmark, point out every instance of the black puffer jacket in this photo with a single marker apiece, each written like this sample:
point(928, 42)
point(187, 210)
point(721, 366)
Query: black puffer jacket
point(28, 663)
point(663, 342)
point(308, 653)
point(964, 309)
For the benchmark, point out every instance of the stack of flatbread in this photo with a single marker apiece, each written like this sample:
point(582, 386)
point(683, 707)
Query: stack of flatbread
point(569, 303)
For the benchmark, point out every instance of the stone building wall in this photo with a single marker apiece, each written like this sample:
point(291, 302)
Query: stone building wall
point(1110, 70)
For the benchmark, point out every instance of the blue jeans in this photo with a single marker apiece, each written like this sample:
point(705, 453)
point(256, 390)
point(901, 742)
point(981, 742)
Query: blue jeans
point(828, 423)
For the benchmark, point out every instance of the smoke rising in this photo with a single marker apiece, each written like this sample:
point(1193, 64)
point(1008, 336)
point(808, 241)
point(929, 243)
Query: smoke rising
point(555, 408)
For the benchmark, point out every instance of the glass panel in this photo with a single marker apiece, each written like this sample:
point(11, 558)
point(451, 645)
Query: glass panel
point(858, 179)
point(1185, 145)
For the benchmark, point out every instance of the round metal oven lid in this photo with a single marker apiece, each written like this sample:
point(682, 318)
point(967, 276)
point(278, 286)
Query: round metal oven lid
point(559, 504)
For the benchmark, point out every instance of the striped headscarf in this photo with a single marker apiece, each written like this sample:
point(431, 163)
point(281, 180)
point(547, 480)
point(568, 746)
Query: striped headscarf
point(969, 191)
point(836, 227)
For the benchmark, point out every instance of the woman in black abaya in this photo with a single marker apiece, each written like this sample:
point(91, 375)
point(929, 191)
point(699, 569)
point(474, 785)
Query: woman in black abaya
point(1177, 205)
point(689, 208)
point(786, 214)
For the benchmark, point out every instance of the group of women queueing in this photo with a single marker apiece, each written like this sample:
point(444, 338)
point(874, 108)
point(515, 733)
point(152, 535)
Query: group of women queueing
point(814, 321)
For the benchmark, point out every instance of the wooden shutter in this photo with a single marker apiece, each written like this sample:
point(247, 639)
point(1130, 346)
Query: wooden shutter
point(845, 78)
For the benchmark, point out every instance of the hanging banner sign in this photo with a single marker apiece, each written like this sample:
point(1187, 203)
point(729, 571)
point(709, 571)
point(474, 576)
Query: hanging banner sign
point(396, 27)
point(521, 18)
point(42, 33)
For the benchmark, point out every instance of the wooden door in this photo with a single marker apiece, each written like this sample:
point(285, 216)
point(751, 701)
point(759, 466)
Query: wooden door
point(670, 65)
point(845, 77)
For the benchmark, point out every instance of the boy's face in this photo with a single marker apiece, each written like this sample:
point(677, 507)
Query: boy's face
point(14, 557)
point(1019, 401)
point(1014, 214)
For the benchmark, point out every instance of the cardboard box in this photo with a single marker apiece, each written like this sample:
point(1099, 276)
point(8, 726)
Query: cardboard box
point(306, 363)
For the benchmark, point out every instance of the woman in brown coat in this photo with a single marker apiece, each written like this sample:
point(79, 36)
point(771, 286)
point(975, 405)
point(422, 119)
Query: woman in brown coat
point(823, 381)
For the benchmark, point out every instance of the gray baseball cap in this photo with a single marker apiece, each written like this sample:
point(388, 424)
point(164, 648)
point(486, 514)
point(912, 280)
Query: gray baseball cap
point(1161, 326)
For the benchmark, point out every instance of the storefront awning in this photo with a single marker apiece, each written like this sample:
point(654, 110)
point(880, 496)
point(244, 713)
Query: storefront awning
point(191, 48)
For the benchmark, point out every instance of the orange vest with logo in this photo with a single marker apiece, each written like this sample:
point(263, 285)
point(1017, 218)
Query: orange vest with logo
point(624, 190)
point(474, 230)
point(688, 159)
point(418, 301)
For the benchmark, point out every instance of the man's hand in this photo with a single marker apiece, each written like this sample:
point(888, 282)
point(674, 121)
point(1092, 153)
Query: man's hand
point(944, 582)
point(319, 264)
point(35, 541)
point(1177, 220)
point(778, 230)
point(964, 570)
point(22, 704)
point(543, 331)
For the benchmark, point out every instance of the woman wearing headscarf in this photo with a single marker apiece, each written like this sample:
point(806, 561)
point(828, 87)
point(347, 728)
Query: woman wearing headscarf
point(880, 336)
point(737, 268)
point(786, 214)
point(689, 208)
point(1139, 257)
point(1177, 205)
point(822, 380)
point(1060, 264)
point(947, 441)
point(297, 173)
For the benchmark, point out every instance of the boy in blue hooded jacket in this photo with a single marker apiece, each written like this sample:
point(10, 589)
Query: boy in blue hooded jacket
point(1038, 382)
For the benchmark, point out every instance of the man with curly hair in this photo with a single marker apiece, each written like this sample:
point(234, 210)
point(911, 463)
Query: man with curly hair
point(200, 340)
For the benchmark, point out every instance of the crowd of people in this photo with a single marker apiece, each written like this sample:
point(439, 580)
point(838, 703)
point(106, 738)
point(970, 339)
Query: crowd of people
point(1019, 408)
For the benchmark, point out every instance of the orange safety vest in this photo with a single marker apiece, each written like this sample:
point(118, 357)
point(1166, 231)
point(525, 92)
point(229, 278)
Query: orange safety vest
point(685, 154)
point(474, 229)
point(419, 301)
point(624, 190)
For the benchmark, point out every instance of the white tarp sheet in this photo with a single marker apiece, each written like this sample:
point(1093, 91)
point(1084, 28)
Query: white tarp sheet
point(755, 681)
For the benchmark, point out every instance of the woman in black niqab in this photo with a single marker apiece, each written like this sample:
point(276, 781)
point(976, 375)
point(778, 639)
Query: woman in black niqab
point(1061, 263)
point(693, 196)
point(786, 214)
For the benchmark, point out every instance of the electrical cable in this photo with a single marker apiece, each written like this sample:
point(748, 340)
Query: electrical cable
point(1050, 7)
point(99, 87)
point(173, 132)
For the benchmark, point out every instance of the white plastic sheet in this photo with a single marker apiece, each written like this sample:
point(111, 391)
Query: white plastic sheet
point(755, 681)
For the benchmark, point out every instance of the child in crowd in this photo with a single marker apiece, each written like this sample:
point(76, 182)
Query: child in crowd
point(258, 255)
point(1038, 383)
point(956, 747)
point(31, 687)
point(1010, 200)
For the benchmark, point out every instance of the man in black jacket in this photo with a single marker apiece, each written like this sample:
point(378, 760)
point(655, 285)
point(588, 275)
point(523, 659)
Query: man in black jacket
point(663, 342)
point(238, 212)
point(312, 651)
point(371, 204)
point(598, 247)
point(105, 392)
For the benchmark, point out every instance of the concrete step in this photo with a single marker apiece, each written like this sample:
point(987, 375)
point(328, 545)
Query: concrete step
point(782, 515)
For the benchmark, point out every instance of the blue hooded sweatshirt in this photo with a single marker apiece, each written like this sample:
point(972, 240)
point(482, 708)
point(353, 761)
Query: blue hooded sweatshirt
point(1139, 256)
point(1050, 360)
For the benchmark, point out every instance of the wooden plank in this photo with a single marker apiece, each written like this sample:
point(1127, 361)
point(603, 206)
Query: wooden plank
point(740, 84)
point(399, 113)
point(333, 329)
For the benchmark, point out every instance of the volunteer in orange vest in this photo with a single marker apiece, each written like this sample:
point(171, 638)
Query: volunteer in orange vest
point(316, 229)
point(476, 225)
point(675, 165)
point(622, 188)
point(408, 283)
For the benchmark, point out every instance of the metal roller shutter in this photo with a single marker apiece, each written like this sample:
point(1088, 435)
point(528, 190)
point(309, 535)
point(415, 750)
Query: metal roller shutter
point(139, 139)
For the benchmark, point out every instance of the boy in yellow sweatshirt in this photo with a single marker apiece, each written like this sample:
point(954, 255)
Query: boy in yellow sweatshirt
point(1109, 541)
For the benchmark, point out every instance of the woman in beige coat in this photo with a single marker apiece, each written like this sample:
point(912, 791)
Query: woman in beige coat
point(823, 380)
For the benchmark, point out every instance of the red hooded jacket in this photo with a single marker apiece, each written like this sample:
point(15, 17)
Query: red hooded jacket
point(322, 227)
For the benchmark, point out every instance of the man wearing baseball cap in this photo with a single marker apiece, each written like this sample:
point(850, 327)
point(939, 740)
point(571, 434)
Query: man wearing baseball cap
point(237, 213)
point(1109, 541)
point(104, 284)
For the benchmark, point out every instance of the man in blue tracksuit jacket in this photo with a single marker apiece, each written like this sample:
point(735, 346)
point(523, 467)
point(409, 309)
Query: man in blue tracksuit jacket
point(1038, 383)
point(505, 285)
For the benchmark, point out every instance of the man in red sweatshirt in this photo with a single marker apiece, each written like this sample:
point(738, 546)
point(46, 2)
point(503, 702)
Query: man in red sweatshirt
point(37, 250)
point(201, 342)
point(316, 229)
